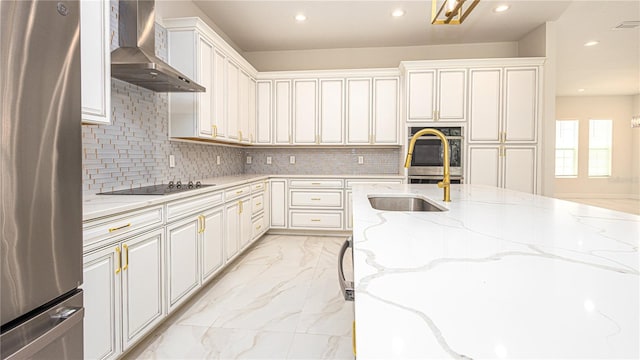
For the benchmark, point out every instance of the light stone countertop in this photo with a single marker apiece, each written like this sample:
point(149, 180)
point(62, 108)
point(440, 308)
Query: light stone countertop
point(97, 206)
point(501, 274)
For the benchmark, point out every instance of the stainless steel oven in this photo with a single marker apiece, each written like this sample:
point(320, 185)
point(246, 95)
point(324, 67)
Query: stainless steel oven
point(427, 161)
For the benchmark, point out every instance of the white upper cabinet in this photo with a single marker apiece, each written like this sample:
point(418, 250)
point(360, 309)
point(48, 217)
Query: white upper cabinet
point(95, 58)
point(484, 105)
point(421, 95)
point(436, 95)
point(520, 104)
point(227, 109)
point(219, 121)
point(263, 117)
point(304, 111)
point(331, 117)
point(358, 111)
point(385, 111)
point(243, 106)
point(504, 105)
point(282, 120)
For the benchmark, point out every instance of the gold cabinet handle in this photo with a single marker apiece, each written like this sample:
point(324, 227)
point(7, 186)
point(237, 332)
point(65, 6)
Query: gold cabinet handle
point(240, 135)
point(214, 128)
point(119, 227)
point(315, 220)
point(199, 224)
point(258, 227)
point(239, 191)
point(315, 199)
point(258, 204)
point(119, 255)
point(239, 207)
point(204, 223)
point(126, 257)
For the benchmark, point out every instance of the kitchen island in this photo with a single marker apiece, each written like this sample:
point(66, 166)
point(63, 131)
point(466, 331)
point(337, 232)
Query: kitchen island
point(499, 274)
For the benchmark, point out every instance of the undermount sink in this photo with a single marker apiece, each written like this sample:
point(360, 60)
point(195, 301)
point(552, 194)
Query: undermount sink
point(402, 203)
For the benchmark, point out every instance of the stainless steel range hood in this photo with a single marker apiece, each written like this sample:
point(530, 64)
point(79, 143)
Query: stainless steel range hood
point(135, 60)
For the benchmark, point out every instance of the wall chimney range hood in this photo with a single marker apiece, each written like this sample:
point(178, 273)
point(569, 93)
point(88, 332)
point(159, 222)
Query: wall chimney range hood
point(135, 60)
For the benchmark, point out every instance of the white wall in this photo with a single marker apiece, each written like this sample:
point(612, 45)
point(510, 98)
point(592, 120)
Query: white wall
point(378, 57)
point(618, 109)
point(534, 43)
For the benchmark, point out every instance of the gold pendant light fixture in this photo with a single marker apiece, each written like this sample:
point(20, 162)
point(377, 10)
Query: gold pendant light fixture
point(451, 12)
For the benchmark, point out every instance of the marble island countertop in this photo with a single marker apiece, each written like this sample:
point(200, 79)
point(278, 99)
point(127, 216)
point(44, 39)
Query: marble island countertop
point(500, 274)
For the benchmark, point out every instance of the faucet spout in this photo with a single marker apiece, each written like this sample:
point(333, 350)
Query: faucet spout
point(446, 182)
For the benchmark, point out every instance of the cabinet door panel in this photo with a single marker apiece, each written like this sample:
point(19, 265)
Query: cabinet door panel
point(233, 101)
point(141, 285)
point(252, 111)
point(304, 111)
point(245, 223)
point(484, 166)
point(358, 111)
point(385, 111)
point(243, 106)
point(331, 111)
point(182, 260)
point(264, 112)
point(220, 94)
point(95, 56)
point(212, 257)
point(451, 96)
point(520, 104)
point(421, 95)
point(205, 78)
point(283, 112)
point(278, 201)
point(232, 230)
point(520, 169)
point(101, 288)
point(484, 114)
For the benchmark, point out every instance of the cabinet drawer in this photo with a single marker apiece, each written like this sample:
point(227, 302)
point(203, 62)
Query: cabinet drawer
point(179, 208)
point(351, 182)
point(258, 228)
point(257, 187)
point(257, 203)
point(315, 219)
point(95, 231)
point(321, 199)
point(315, 183)
point(237, 192)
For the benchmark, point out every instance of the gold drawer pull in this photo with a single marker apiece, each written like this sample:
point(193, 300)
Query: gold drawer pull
point(119, 260)
point(239, 191)
point(258, 204)
point(258, 227)
point(126, 257)
point(119, 227)
point(316, 199)
point(315, 220)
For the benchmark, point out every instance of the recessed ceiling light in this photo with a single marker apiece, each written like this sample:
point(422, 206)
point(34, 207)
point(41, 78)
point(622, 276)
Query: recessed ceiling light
point(501, 8)
point(580, 90)
point(300, 18)
point(591, 43)
point(398, 13)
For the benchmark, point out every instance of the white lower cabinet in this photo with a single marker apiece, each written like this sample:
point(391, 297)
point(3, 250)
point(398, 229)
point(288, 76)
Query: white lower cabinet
point(101, 273)
point(315, 220)
point(510, 167)
point(183, 275)
point(246, 231)
point(212, 257)
point(142, 300)
point(238, 226)
point(123, 290)
point(278, 202)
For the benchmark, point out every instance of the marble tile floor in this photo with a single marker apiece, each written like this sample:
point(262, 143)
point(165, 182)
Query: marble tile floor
point(631, 206)
point(280, 300)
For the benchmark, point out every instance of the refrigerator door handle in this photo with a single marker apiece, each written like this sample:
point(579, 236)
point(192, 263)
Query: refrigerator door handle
point(345, 286)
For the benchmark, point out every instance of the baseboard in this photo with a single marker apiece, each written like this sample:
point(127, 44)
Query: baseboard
point(329, 233)
point(596, 196)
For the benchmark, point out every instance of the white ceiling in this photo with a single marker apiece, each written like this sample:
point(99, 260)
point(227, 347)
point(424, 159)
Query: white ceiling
point(612, 67)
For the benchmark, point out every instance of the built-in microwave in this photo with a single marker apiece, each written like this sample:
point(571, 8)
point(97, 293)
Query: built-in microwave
point(427, 160)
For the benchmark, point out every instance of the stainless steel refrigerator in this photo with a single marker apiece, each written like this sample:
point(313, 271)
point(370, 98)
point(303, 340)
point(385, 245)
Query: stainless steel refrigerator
point(40, 180)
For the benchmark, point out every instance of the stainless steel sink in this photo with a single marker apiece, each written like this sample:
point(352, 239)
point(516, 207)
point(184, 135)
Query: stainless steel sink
point(402, 203)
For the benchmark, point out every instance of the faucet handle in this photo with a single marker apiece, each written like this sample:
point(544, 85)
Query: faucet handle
point(442, 184)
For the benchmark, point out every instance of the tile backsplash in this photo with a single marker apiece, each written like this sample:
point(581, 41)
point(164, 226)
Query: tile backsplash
point(134, 149)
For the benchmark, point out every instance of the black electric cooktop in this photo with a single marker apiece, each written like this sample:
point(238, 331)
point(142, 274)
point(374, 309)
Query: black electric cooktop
point(162, 189)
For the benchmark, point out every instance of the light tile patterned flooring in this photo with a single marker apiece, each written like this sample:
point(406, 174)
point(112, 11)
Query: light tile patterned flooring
point(280, 300)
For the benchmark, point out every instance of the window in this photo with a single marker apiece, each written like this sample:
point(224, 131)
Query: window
point(600, 141)
point(566, 148)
